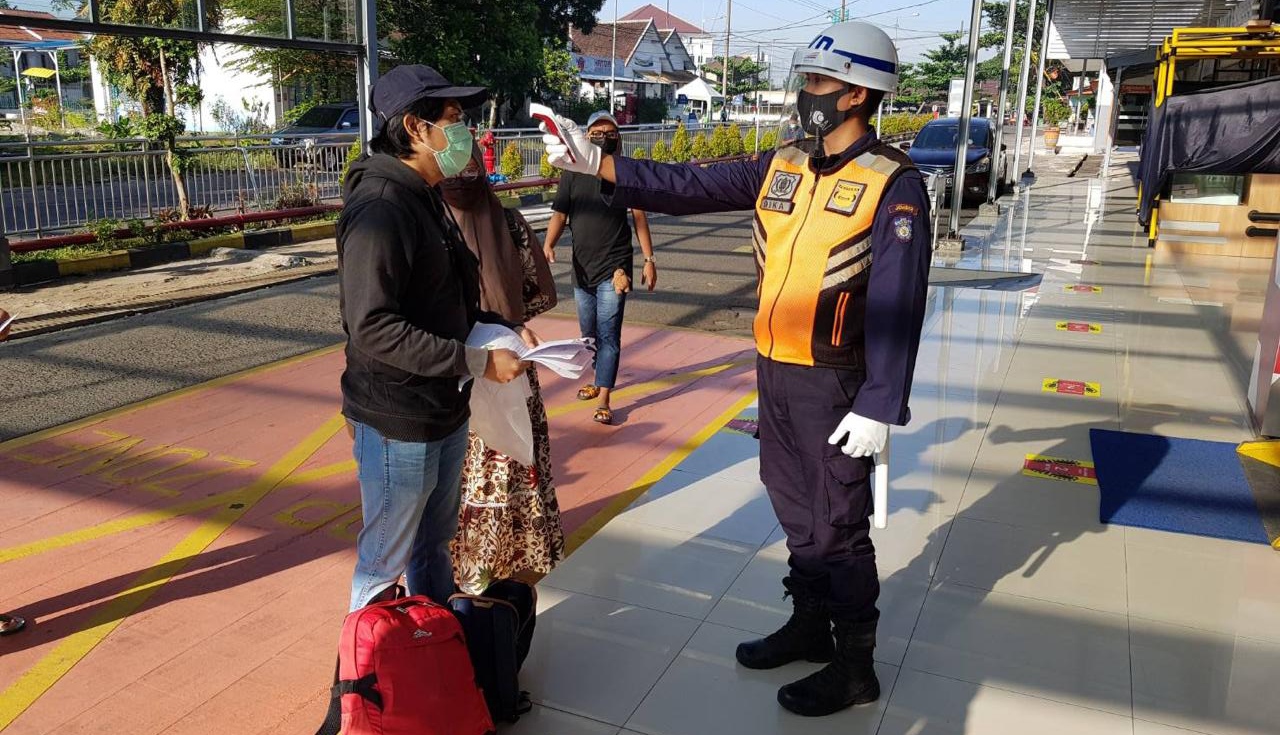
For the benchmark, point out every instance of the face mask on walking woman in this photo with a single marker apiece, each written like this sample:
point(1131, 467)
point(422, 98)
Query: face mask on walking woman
point(467, 189)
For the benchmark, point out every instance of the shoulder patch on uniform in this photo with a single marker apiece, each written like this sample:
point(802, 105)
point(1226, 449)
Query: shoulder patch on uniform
point(846, 197)
point(908, 209)
point(781, 192)
point(904, 228)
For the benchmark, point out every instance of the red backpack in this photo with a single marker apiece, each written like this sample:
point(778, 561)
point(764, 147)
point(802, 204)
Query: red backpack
point(404, 670)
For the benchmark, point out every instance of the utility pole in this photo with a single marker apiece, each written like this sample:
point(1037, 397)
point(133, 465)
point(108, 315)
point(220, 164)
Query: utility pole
point(1044, 54)
point(997, 154)
point(613, 61)
point(1021, 111)
point(724, 78)
point(966, 115)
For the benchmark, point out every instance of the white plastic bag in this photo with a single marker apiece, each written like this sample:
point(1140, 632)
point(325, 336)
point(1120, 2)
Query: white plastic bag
point(500, 416)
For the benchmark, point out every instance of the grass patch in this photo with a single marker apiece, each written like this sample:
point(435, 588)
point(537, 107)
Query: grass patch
point(67, 252)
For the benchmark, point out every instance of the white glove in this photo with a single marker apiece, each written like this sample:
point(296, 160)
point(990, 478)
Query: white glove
point(865, 437)
point(575, 153)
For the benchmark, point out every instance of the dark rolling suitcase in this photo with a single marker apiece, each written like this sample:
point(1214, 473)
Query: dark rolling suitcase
point(498, 626)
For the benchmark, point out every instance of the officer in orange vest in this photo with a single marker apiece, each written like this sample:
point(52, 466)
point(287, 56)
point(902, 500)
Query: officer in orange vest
point(842, 248)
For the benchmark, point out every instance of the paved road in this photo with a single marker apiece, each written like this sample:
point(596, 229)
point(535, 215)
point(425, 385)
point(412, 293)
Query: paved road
point(706, 281)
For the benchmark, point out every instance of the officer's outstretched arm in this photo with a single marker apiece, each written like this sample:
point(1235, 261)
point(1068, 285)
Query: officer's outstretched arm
point(901, 248)
point(669, 188)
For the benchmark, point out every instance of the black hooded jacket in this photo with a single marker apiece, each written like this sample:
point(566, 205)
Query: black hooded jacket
point(409, 295)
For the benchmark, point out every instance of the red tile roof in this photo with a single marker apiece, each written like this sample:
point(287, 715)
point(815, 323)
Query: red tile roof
point(34, 35)
point(599, 42)
point(663, 20)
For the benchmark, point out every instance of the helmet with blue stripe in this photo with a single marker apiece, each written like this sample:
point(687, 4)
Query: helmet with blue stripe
point(853, 52)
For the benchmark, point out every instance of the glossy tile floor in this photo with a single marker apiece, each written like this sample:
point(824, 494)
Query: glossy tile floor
point(1006, 606)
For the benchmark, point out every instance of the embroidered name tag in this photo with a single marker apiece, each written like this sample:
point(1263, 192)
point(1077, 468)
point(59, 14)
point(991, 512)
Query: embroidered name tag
point(781, 194)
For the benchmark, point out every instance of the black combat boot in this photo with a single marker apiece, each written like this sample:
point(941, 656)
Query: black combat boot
point(848, 680)
point(805, 637)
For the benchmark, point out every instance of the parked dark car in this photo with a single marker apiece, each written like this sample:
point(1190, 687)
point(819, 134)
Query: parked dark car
point(934, 152)
point(318, 136)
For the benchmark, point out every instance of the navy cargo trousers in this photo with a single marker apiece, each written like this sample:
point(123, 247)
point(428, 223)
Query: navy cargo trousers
point(822, 497)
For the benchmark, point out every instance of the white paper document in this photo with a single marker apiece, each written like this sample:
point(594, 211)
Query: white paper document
point(568, 358)
point(500, 411)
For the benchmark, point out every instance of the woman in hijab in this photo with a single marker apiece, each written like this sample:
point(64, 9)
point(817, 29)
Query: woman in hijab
point(510, 519)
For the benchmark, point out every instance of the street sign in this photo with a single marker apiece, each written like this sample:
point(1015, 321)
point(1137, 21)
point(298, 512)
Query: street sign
point(955, 100)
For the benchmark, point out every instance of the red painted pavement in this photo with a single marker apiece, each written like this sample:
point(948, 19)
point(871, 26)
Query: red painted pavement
point(242, 639)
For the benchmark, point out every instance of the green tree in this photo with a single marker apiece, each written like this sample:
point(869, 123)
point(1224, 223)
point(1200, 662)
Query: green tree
point(661, 152)
point(512, 164)
point(471, 42)
point(735, 145)
point(701, 147)
point(1057, 79)
point(317, 77)
point(745, 75)
point(159, 73)
point(498, 45)
point(559, 79)
point(932, 77)
point(555, 17)
point(681, 147)
point(718, 146)
point(911, 90)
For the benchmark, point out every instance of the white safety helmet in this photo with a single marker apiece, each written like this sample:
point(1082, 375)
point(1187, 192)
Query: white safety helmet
point(856, 53)
point(853, 52)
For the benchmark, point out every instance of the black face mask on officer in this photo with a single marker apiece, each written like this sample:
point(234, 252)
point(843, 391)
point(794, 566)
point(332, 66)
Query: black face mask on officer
point(821, 113)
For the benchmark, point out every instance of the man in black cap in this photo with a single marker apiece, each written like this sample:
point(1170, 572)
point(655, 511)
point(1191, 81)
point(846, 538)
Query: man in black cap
point(409, 290)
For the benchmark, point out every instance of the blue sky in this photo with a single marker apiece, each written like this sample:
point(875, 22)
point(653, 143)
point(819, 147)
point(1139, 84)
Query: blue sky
point(786, 24)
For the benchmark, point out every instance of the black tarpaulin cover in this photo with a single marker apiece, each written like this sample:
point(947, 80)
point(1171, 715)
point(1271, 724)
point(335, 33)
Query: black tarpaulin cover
point(1229, 130)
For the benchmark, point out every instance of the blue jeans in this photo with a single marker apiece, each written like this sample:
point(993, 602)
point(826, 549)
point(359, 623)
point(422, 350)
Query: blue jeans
point(600, 316)
point(410, 493)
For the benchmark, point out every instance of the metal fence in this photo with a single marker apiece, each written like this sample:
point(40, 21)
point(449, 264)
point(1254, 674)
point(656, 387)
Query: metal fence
point(51, 186)
point(55, 186)
point(529, 141)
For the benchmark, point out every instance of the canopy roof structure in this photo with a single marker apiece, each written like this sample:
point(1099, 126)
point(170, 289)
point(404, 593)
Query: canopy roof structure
point(1103, 29)
point(698, 89)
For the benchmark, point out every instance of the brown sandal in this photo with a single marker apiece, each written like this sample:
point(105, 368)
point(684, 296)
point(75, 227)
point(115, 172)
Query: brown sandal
point(589, 393)
point(603, 415)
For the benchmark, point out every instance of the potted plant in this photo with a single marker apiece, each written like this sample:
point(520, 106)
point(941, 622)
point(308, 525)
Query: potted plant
point(1055, 111)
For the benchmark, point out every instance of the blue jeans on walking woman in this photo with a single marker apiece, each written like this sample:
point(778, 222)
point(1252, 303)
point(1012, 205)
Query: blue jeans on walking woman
point(600, 316)
point(410, 493)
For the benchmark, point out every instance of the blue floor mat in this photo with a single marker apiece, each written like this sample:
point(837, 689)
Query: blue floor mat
point(1179, 485)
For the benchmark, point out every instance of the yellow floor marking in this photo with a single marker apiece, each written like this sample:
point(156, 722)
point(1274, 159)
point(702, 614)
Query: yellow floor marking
point(45, 673)
point(56, 431)
point(620, 503)
point(161, 515)
point(666, 381)
point(1266, 452)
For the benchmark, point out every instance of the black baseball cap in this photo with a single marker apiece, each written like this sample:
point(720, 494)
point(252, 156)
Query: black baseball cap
point(398, 89)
